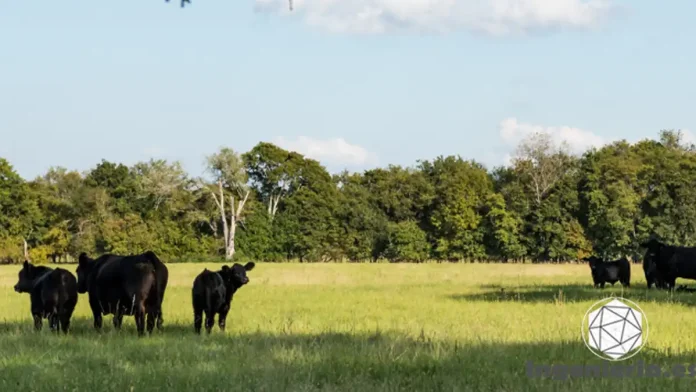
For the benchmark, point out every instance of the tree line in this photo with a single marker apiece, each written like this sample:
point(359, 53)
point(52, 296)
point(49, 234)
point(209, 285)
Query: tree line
point(269, 204)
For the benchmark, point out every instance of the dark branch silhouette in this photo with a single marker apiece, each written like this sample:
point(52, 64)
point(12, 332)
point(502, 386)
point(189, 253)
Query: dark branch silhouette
point(189, 1)
point(182, 2)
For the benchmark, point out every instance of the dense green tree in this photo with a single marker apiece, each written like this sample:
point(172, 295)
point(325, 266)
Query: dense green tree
point(400, 193)
point(20, 214)
point(255, 239)
point(274, 173)
point(363, 226)
point(456, 213)
point(406, 241)
point(610, 198)
point(503, 230)
point(118, 182)
point(272, 204)
point(307, 228)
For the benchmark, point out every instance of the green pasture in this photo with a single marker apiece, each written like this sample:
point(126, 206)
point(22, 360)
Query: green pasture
point(352, 327)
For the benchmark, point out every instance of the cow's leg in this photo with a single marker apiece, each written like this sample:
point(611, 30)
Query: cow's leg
point(118, 318)
point(96, 313)
point(151, 317)
point(98, 321)
point(65, 320)
point(38, 321)
point(601, 285)
point(160, 320)
point(54, 320)
point(222, 318)
point(209, 320)
point(197, 320)
point(140, 321)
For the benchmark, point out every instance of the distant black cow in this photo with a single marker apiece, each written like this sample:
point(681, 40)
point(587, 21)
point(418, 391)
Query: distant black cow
point(53, 294)
point(610, 271)
point(124, 285)
point(671, 262)
point(212, 293)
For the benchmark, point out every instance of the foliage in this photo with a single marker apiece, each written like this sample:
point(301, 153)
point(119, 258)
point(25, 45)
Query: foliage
point(273, 204)
point(406, 242)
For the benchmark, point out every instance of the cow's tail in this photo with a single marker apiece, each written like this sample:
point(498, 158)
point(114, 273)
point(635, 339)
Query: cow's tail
point(162, 278)
point(629, 269)
point(208, 300)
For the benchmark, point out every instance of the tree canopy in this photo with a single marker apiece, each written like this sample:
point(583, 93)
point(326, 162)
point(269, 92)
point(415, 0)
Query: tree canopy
point(275, 205)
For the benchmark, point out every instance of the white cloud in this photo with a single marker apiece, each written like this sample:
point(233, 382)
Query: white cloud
point(332, 151)
point(494, 17)
point(579, 140)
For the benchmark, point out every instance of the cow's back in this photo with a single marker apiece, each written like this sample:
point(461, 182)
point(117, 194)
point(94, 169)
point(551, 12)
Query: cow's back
point(120, 279)
point(58, 290)
point(208, 291)
point(683, 263)
point(66, 286)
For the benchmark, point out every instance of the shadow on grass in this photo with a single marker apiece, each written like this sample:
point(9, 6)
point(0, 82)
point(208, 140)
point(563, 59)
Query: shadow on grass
point(262, 361)
point(572, 293)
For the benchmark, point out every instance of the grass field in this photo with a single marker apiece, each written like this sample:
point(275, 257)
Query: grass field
point(351, 327)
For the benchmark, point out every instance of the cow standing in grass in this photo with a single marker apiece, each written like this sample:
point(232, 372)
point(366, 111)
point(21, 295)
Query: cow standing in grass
point(610, 271)
point(52, 292)
point(212, 294)
point(124, 286)
point(671, 262)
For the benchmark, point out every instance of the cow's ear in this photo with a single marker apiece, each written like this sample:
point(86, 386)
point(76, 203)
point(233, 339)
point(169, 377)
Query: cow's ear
point(26, 265)
point(249, 266)
point(83, 259)
point(225, 268)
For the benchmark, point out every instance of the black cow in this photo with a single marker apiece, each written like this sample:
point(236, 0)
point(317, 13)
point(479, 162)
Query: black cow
point(53, 294)
point(212, 293)
point(671, 262)
point(651, 274)
point(124, 286)
point(610, 271)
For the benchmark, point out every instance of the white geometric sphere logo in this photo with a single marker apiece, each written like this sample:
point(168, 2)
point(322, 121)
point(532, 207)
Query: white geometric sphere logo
point(615, 329)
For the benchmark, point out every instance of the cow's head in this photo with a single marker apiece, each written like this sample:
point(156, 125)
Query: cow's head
point(84, 269)
point(594, 262)
point(236, 275)
point(652, 250)
point(27, 275)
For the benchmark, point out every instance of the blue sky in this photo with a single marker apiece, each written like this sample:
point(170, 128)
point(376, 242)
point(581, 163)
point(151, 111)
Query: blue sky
point(353, 83)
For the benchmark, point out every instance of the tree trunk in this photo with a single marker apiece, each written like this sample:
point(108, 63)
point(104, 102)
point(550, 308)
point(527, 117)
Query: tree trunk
point(26, 249)
point(234, 220)
point(229, 253)
point(273, 201)
point(229, 230)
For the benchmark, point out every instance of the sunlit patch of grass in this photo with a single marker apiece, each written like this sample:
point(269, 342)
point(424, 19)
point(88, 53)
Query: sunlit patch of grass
point(350, 327)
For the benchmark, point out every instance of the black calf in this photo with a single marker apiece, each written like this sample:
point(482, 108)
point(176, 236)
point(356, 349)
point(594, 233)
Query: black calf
point(610, 271)
point(212, 293)
point(52, 292)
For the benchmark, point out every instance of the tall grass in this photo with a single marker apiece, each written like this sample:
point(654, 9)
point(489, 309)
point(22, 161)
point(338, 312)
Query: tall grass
point(350, 327)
